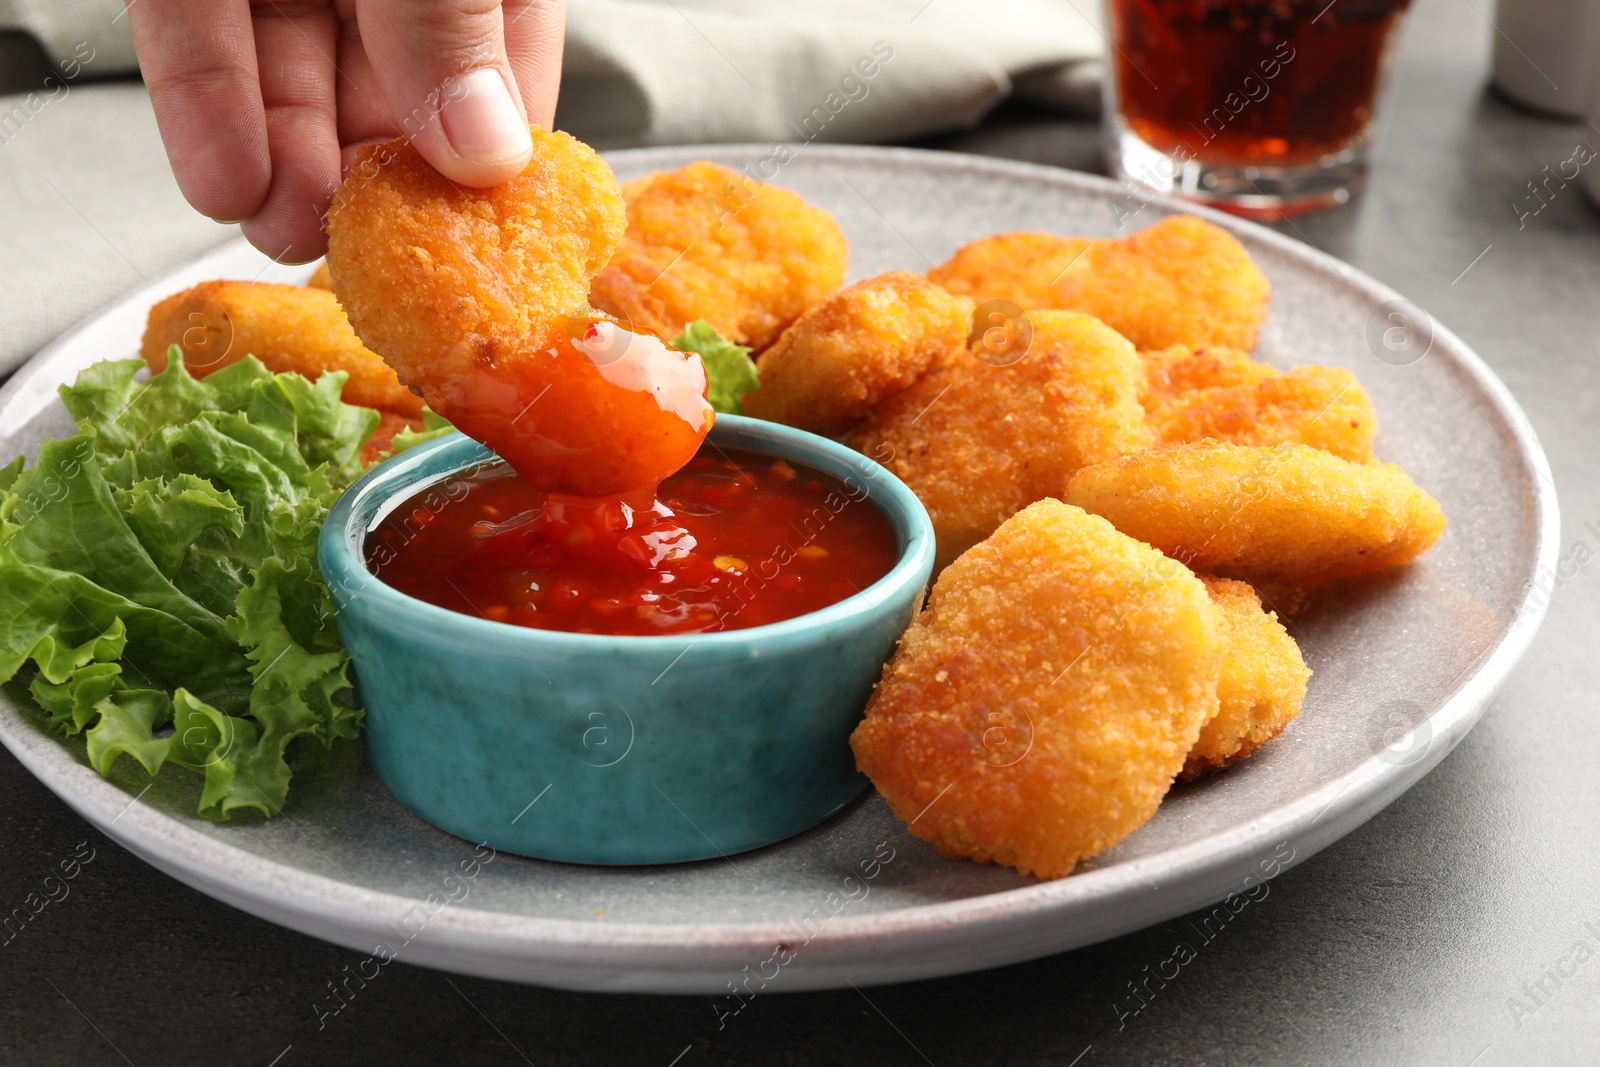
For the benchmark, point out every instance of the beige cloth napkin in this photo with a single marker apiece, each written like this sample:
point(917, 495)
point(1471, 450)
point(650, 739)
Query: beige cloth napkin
point(676, 71)
point(88, 207)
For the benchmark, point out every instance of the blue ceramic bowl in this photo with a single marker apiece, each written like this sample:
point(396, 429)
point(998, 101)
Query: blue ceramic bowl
point(602, 749)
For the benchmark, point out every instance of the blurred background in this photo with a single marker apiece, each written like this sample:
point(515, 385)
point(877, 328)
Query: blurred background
point(89, 208)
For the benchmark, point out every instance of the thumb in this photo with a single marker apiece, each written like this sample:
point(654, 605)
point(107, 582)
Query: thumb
point(442, 67)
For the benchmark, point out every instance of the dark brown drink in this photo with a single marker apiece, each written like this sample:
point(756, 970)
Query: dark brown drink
point(1250, 83)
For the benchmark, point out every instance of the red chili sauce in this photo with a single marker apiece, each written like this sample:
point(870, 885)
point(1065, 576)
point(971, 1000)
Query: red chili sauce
point(734, 539)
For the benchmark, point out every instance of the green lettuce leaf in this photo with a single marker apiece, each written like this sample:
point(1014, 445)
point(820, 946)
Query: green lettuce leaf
point(730, 372)
point(160, 572)
point(433, 425)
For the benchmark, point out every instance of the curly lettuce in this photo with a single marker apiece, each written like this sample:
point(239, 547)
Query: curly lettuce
point(433, 425)
point(160, 572)
point(730, 372)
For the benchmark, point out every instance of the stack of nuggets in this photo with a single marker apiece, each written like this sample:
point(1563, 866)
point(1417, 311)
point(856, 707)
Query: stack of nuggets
point(1106, 469)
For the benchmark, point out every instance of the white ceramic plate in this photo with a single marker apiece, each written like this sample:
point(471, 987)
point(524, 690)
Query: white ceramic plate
point(1405, 664)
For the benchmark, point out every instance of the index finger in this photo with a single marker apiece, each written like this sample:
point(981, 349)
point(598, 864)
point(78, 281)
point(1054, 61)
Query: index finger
point(198, 58)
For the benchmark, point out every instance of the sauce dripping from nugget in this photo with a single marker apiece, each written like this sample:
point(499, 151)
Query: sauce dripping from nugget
point(478, 298)
point(594, 411)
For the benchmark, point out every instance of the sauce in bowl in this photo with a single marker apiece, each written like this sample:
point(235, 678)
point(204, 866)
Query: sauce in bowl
point(735, 539)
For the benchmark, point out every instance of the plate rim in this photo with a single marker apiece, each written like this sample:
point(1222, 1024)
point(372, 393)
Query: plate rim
point(694, 957)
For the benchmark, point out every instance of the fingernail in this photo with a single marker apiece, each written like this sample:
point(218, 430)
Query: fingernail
point(481, 121)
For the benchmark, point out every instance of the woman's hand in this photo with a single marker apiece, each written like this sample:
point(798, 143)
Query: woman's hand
point(262, 103)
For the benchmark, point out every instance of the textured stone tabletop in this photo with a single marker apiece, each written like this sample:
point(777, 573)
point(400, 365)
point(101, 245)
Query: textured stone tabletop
point(1460, 927)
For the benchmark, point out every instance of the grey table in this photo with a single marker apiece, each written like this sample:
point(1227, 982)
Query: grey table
point(1459, 927)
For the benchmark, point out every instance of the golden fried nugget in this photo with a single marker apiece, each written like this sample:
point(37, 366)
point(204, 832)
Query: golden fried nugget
point(1180, 369)
point(1182, 281)
point(1021, 267)
point(1324, 407)
point(286, 327)
point(321, 278)
point(1036, 712)
point(437, 277)
point(1262, 685)
point(706, 242)
point(977, 442)
point(858, 347)
point(1290, 513)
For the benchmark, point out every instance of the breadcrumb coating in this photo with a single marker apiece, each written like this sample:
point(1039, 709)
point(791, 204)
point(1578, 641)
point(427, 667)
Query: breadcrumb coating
point(1289, 513)
point(1223, 394)
point(706, 242)
point(977, 442)
point(857, 348)
point(1262, 684)
point(287, 327)
point(437, 277)
point(1035, 714)
point(1179, 369)
point(1181, 281)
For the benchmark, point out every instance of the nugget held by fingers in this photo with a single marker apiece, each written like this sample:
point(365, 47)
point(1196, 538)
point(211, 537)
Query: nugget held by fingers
point(436, 276)
point(479, 300)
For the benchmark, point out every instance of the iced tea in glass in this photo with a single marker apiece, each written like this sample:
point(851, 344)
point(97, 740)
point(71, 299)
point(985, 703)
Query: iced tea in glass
point(1260, 107)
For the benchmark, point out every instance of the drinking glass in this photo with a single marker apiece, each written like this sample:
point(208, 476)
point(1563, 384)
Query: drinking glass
point(1259, 107)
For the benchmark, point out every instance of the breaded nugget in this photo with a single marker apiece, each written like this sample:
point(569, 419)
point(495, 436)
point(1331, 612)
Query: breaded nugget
point(286, 327)
point(1262, 685)
point(1324, 407)
point(321, 278)
point(437, 277)
point(706, 242)
point(1180, 369)
point(1036, 712)
point(1182, 281)
point(856, 348)
point(1021, 267)
point(1290, 513)
point(977, 442)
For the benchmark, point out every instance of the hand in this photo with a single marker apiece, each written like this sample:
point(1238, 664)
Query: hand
point(262, 103)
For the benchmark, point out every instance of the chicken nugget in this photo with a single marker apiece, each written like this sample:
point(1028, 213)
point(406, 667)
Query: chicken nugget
point(1262, 685)
point(858, 347)
point(321, 278)
point(977, 442)
point(1291, 513)
point(1182, 281)
point(479, 300)
point(1035, 714)
point(437, 277)
point(1180, 369)
point(1223, 394)
point(286, 327)
point(706, 242)
point(1021, 267)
